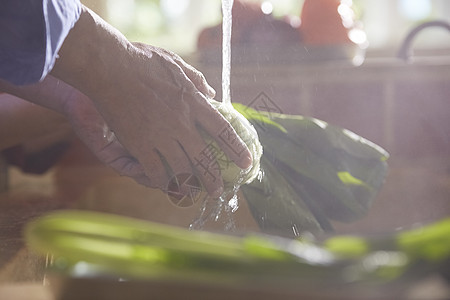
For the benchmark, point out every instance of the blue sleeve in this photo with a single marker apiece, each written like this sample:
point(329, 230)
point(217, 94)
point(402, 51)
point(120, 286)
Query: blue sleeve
point(31, 34)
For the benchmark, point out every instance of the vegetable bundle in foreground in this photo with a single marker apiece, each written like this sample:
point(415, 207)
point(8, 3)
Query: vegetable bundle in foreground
point(313, 173)
point(90, 244)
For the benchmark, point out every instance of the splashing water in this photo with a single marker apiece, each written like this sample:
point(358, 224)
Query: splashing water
point(216, 211)
point(221, 210)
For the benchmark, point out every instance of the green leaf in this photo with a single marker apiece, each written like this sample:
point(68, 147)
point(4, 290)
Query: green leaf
point(276, 206)
point(348, 179)
point(347, 246)
point(430, 242)
point(255, 116)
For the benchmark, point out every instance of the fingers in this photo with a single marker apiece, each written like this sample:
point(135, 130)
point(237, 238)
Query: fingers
point(117, 157)
point(198, 79)
point(193, 157)
point(226, 137)
point(155, 171)
point(192, 74)
point(158, 175)
point(233, 146)
point(176, 158)
point(203, 158)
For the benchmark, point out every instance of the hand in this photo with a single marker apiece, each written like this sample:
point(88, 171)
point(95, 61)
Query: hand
point(90, 127)
point(151, 99)
point(160, 119)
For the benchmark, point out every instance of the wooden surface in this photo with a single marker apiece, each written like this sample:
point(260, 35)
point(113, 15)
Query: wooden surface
point(25, 292)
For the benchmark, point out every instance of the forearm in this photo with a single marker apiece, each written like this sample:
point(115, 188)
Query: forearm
point(50, 93)
point(21, 121)
point(43, 112)
point(92, 55)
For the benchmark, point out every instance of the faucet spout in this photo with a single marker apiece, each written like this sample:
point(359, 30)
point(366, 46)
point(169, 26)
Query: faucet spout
point(405, 52)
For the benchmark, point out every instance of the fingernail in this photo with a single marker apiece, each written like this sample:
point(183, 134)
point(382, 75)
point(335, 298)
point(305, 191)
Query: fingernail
point(249, 160)
point(211, 91)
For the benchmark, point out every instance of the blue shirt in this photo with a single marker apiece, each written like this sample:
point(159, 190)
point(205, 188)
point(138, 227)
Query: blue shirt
point(31, 34)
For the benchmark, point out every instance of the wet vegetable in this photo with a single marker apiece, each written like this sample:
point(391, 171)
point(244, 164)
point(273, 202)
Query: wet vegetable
point(232, 174)
point(333, 173)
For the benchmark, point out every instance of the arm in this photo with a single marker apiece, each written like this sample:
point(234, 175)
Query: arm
point(21, 121)
point(150, 98)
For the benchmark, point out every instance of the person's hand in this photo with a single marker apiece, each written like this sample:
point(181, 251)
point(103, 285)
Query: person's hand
point(93, 131)
point(35, 122)
point(152, 100)
point(159, 121)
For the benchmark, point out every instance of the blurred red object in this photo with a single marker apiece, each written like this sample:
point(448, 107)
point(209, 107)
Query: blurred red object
point(323, 22)
point(251, 26)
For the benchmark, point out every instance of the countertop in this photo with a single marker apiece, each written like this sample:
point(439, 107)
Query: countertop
point(80, 181)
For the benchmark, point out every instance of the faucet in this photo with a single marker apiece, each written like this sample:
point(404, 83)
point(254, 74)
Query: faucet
point(405, 51)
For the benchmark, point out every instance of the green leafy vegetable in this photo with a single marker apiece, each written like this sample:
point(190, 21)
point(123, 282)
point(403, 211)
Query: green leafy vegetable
point(232, 174)
point(111, 245)
point(333, 173)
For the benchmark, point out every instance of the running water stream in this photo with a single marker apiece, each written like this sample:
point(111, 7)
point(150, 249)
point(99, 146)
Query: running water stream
point(227, 6)
point(222, 209)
